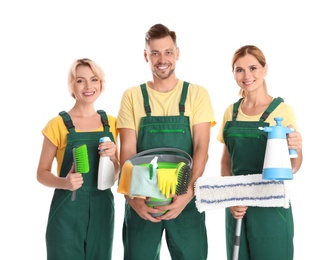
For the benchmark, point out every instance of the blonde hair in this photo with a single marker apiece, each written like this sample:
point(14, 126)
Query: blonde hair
point(252, 50)
point(97, 71)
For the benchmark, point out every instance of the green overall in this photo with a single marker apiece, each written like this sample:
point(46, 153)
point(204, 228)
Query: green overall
point(82, 229)
point(266, 232)
point(186, 235)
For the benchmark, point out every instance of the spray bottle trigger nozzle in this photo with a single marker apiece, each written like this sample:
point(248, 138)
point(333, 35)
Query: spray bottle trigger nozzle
point(152, 165)
point(104, 139)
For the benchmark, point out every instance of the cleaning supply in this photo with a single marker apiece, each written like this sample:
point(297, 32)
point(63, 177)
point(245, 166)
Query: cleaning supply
point(174, 181)
point(236, 243)
point(243, 190)
point(277, 164)
point(183, 172)
point(152, 166)
point(167, 181)
point(157, 200)
point(106, 170)
point(81, 162)
point(135, 181)
point(144, 182)
point(170, 163)
point(167, 157)
point(171, 181)
point(152, 202)
point(124, 185)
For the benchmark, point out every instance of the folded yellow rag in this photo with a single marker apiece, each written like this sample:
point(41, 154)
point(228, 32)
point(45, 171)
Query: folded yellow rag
point(125, 178)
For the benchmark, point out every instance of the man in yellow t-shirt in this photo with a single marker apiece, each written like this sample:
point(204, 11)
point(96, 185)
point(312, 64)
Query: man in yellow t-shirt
point(165, 112)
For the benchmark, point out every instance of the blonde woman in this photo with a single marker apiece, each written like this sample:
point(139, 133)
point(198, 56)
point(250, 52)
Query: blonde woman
point(79, 227)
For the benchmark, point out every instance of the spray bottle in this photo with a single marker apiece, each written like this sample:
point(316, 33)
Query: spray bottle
point(277, 165)
point(105, 170)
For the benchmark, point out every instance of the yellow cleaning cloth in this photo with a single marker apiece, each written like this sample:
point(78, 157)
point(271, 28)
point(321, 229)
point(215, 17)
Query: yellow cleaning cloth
point(167, 181)
point(125, 178)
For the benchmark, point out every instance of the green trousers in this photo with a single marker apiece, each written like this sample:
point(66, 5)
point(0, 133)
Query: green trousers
point(266, 234)
point(142, 239)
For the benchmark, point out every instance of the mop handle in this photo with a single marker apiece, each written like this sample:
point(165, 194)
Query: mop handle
point(237, 240)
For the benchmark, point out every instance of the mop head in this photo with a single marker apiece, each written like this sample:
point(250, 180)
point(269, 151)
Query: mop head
point(245, 190)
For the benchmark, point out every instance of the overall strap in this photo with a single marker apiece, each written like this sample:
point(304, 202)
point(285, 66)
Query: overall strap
point(104, 120)
point(235, 109)
point(67, 121)
point(183, 98)
point(146, 100)
point(181, 104)
point(271, 108)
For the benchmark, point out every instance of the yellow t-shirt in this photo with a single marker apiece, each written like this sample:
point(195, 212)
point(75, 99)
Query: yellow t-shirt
point(198, 106)
point(56, 132)
point(282, 110)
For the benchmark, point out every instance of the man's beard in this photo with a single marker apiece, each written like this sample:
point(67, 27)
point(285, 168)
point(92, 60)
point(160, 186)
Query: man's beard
point(163, 76)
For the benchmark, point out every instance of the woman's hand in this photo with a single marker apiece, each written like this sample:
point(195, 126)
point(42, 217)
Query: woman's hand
point(238, 212)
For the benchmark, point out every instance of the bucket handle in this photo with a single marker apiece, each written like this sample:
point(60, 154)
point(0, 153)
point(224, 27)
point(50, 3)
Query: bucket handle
point(164, 149)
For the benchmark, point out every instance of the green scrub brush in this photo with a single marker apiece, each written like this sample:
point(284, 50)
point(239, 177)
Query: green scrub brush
point(81, 161)
point(183, 172)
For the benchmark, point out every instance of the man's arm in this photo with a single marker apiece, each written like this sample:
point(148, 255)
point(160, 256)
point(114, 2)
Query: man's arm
point(128, 143)
point(201, 140)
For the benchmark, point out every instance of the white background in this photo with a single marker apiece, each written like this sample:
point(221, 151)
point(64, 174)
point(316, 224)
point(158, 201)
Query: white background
point(40, 40)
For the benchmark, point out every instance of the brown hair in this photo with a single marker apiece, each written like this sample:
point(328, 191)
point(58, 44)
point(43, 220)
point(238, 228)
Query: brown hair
point(159, 31)
point(97, 71)
point(252, 50)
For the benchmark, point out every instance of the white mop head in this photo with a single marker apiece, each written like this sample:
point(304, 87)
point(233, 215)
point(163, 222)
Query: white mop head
point(245, 190)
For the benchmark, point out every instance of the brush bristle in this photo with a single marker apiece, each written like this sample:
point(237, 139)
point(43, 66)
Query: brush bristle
point(81, 159)
point(183, 178)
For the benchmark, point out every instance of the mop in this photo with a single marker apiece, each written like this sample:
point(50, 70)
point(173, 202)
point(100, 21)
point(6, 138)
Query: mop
point(246, 190)
point(259, 190)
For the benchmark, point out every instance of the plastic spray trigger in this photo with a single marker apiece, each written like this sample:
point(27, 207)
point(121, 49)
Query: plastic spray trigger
point(104, 139)
point(152, 165)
